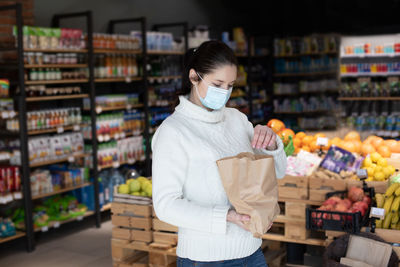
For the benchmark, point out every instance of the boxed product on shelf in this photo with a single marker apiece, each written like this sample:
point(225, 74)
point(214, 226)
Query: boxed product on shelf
point(41, 182)
point(364, 87)
point(159, 41)
point(42, 90)
point(383, 45)
point(50, 74)
point(109, 101)
point(7, 228)
point(306, 45)
point(114, 66)
point(54, 147)
point(370, 68)
point(10, 184)
point(306, 64)
point(51, 38)
point(164, 66)
point(306, 86)
point(304, 104)
point(115, 41)
point(4, 87)
point(39, 58)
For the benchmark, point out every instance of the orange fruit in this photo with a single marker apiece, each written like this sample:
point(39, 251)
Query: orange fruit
point(297, 150)
point(358, 145)
point(313, 146)
point(391, 144)
point(384, 151)
point(300, 135)
point(377, 142)
point(297, 142)
point(367, 149)
point(349, 146)
point(369, 139)
point(284, 135)
point(335, 141)
point(307, 140)
point(305, 148)
point(317, 135)
point(326, 148)
point(396, 149)
point(276, 125)
point(353, 135)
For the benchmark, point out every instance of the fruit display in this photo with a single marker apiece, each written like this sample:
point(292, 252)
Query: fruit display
point(344, 211)
point(140, 186)
point(377, 167)
point(390, 202)
point(287, 135)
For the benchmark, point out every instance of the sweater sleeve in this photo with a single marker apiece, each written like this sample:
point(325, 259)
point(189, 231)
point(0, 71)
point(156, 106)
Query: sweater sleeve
point(169, 167)
point(278, 154)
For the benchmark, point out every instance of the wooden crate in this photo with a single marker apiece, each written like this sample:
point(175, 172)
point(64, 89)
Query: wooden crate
point(133, 222)
point(320, 187)
point(380, 187)
point(164, 233)
point(293, 187)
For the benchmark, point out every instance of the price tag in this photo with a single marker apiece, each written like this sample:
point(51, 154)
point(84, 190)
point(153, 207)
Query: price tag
point(151, 80)
point(395, 134)
point(99, 110)
point(107, 138)
point(131, 161)
point(176, 79)
point(377, 213)
point(116, 136)
point(12, 114)
point(45, 229)
point(322, 141)
point(159, 80)
point(79, 218)
point(17, 195)
point(142, 158)
point(115, 164)
point(123, 135)
point(56, 224)
point(100, 138)
point(99, 168)
point(166, 80)
point(3, 200)
point(128, 79)
point(71, 159)
point(60, 130)
point(129, 107)
point(362, 173)
point(9, 198)
point(77, 127)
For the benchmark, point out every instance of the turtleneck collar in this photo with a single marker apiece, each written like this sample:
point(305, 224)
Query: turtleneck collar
point(189, 109)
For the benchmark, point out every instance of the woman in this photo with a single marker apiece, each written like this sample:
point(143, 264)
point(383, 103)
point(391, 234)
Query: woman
point(187, 190)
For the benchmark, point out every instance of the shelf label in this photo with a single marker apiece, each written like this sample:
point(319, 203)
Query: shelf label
point(115, 164)
point(45, 229)
point(60, 129)
point(159, 80)
point(322, 141)
point(56, 224)
point(129, 107)
point(99, 110)
point(128, 79)
point(71, 159)
point(3, 200)
point(362, 173)
point(77, 127)
point(116, 136)
point(107, 138)
point(131, 161)
point(377, 213)
point(79, 218)
point(166, 80)
point(151, 80)
point(12, 114)
point(100, 138)
point(123, 135)
point(17, 195)
point(4, 115)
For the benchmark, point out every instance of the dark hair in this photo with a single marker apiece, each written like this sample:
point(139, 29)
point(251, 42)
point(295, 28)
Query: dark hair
point(207, 57)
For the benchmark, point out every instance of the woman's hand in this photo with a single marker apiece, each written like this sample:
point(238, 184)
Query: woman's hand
point(264, 138)
point(238, 219)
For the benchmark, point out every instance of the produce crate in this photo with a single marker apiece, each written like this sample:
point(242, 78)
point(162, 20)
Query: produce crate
point(338, 221)
point(379, 187)
point(132, 222)
point(164, 233)
point(140, 254)
point(293, 187)
point(320, 187)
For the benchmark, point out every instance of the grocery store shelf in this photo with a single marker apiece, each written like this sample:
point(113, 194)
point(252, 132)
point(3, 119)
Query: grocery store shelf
point(9, 134)
point(101, 139)
point(120, 79)
point(118, 165)
point(8, 114)
point(379, 98)
point(61, 191)
point(370, 55)
point(59, 129)
point(56, 50)
point(260, 101)
point(17, 235)
point(303, 74)
point(300, 112)
point(56, 97)
point(10, 48)
point(282, 238)
point(164, 77)
point(369, 74)
point(64, 66)
point(56, 82)
point(56, 224)
point(117, 51)
point(106, 207)
point(155, 52)
point(105, 109)
point(309, 93)
point(70, 158)
point(308, 54)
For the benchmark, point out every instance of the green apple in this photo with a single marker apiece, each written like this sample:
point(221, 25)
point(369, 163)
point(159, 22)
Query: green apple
point(123, 189)
point(134, 186)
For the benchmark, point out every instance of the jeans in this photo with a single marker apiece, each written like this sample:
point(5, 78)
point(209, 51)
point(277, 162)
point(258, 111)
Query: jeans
point(255, 260)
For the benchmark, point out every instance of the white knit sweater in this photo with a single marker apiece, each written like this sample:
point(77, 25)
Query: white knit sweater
point(187, 190)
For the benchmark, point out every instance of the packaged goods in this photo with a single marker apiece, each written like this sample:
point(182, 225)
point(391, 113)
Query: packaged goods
point(115, 41)
point(113, 66)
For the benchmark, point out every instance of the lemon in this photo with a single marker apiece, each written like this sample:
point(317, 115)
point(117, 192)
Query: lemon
point(370, 171)
point(129, 181)
point(382, 162)
point(373, 165)
point(378, 168)
point(369, 179)
point(367, 162)
point(379, 176)
point(375, 157)
point(123, 189)
point(387, 172)
point(392, 169)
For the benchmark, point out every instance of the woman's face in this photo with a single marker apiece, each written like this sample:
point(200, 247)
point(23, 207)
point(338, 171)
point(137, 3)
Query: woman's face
point(223, 77)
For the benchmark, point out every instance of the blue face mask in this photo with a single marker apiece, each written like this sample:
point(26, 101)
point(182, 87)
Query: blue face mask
point(216, 98)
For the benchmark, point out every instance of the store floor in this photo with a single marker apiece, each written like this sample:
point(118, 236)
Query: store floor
point(68, 248)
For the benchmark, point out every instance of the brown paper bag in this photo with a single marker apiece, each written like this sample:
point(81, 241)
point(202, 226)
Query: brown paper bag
point(250, 183)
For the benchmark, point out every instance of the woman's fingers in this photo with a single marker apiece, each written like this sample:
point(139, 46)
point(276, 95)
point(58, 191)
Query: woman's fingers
point(257, 132)
point(244, 218)
point(267, 139)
